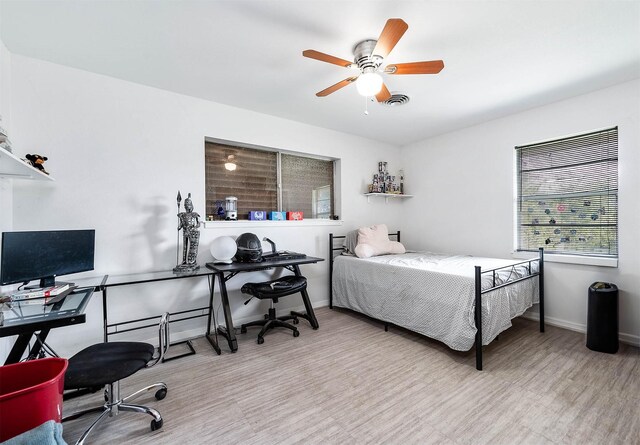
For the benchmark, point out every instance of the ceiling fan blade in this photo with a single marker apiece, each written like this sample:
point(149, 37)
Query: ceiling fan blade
point(313, 54)
point(431, 67)
point(393, 30)
point(335, 87)
point(384, 94)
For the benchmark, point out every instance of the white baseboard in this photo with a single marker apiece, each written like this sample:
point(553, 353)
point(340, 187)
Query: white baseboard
point(629, 339)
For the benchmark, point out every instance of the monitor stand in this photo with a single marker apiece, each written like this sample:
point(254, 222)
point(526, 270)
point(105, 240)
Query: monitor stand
point(48, 282)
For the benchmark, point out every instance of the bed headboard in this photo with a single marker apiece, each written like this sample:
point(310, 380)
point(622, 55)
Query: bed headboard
point(335, 251)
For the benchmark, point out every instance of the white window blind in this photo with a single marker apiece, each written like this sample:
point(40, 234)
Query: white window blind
point(568, 195)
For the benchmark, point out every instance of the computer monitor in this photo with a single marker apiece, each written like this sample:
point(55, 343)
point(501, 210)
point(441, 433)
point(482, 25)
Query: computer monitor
point(44, 255)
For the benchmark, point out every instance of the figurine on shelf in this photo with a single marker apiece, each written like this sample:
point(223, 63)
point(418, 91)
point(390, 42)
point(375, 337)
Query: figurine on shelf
point(189, 222)
point(384, 182)
point(37, 162)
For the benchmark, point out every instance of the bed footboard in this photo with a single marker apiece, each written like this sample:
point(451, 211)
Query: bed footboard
point(479, 292)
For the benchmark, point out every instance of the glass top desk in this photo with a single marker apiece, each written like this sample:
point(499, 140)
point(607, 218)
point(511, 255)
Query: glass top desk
point(24, 320)
point(102, 284)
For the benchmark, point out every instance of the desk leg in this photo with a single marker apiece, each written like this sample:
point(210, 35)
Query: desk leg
point(229, 333)
point(310, 315)
point(40, 338)
point(20, 345)
point(213, 340)
point(105, 321)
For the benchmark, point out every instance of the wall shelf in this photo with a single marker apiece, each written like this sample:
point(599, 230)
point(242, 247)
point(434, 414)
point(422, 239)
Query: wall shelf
point(13, 167)
point(386, 196)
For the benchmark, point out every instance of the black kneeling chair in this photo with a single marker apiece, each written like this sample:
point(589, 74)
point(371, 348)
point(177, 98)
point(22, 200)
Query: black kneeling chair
point(273, 290)
point(103, 365)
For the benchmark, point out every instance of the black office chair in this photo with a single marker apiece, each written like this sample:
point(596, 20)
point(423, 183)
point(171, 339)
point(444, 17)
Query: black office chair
point(103, 365)
point(273, 290)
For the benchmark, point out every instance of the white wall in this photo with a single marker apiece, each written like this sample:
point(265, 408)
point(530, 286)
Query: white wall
point(6, 191)
point(464, 183)
point(119, 153)
point(6, 185)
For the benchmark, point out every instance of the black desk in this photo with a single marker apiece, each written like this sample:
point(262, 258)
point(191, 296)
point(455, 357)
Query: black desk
point(109, 281)
point(24, 320)
point(225, 272)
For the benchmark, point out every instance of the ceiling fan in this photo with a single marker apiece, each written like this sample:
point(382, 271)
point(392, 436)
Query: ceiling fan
point(368, 58)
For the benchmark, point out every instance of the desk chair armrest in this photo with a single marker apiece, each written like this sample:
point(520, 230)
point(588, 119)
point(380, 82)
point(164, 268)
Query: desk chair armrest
point(163, 340)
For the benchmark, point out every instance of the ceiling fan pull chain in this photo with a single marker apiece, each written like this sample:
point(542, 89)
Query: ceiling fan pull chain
point(366, 106)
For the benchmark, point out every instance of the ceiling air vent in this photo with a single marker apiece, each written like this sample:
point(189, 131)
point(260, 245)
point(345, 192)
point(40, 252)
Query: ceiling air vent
point(396, 100)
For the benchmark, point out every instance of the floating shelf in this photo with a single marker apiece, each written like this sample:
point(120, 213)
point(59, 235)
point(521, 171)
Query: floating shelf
point(386, 196)
point(13, 167)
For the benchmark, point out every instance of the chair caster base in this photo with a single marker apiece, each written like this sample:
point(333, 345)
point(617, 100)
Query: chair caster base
point(161, 394)
point(156, 424)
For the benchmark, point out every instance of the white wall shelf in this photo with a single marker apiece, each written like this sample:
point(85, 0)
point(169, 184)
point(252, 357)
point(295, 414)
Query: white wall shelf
point(386, 196)
point(13, 167)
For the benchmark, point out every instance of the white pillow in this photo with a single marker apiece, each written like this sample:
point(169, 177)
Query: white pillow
point(374, 241)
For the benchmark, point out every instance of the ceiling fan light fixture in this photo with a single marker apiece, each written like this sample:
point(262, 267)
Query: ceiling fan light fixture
point(369, 84)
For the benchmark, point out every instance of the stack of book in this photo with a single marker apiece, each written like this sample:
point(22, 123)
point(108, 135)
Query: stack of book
point(42, 295)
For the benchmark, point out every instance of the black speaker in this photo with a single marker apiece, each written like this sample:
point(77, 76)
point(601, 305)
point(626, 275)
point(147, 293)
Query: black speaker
point(602, 318)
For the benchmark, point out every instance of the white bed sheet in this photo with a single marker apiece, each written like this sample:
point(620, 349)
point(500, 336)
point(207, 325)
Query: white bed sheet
point(433, 294)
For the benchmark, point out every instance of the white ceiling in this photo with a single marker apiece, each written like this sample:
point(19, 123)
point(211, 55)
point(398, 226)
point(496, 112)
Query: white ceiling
point(500, 56)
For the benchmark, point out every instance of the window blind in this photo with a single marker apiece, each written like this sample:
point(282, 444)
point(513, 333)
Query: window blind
point(254, 182)
point(567, 191)
point(307, 185)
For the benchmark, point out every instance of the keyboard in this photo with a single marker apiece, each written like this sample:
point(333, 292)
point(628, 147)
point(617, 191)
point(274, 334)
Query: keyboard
point(284, 255)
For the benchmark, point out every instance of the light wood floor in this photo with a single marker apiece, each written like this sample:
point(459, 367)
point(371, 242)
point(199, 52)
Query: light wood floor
point(352, 382)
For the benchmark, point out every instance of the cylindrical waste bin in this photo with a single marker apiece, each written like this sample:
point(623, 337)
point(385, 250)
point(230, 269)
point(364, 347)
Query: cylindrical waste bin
point(602, 318)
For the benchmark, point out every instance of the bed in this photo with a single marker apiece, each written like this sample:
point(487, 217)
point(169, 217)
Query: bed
point(437, 295)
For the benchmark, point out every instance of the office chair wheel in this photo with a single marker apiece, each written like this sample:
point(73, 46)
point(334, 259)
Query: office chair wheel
point(260, 340)
point(156, 424)
point(161, 394)
point(296, 321)
point(296, 333)
point(243, 330)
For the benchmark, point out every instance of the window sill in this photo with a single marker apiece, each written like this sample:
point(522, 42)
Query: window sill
point(269, 223)
point(570, 259)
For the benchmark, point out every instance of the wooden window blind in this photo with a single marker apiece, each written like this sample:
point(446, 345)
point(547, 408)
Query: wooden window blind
point(567, 191)
point(306, 183)
point(253, 182)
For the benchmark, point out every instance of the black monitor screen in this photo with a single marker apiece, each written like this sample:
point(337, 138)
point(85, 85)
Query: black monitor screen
point(44, 255)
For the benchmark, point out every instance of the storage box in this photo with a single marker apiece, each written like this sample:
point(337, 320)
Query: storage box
point(277, 216)
point(257, 215)
point(30, 394)
point(295, 216)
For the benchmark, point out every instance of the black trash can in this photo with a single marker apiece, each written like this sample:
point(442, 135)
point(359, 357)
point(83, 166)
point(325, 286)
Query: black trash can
point(602, 318)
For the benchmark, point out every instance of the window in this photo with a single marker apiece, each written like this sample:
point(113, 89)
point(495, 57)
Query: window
point(567, 191)
point(268, 180)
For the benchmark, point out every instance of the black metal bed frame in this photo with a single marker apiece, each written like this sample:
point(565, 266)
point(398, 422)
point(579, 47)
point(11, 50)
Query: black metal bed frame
point(478, 287)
